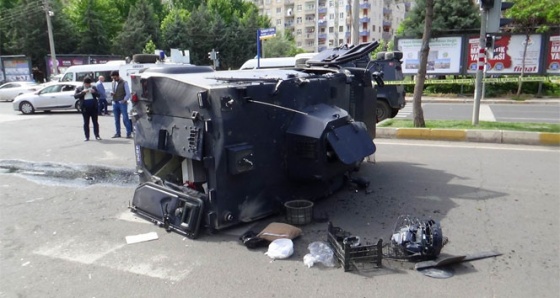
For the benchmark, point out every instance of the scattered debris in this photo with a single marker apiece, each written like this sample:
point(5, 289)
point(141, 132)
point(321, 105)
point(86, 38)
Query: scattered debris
point(141, 238)
point(415, 239)
point(251, 240)
point(299, 212)
point(440, 273)
point(280, 249)
point(450, 260)
point(350, 253)
point(319, 252)
point(25, 264)
point(278, 230)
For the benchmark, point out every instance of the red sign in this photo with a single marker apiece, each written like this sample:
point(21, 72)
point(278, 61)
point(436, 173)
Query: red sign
point(508, 55)
point(553, 55)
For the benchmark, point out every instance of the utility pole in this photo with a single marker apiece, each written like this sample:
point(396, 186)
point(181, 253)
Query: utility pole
point(355, 19)
point(481, 64)
point(49, 14)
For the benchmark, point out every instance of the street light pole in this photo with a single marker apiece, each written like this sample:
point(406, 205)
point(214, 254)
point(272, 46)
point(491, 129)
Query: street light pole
point(49, 13)
point(481, 64)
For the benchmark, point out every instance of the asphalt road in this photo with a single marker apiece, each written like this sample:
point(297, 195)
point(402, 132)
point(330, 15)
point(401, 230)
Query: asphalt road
point(64, 219)
point(546, 113)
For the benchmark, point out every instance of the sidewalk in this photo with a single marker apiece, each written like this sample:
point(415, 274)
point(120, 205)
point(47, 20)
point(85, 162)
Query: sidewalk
point(473, 135)
point(494, 100)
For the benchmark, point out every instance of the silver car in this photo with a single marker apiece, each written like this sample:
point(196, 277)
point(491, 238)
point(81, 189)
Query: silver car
point(55, 96)
point(10, 90)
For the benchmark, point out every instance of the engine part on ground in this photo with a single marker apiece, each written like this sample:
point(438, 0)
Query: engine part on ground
point(415, 239)
point(215, 149)
point(351, 254)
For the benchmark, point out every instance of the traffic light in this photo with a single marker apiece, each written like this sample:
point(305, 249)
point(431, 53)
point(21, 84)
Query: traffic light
point(490, 40)
point(212, 55)
point(495, 20)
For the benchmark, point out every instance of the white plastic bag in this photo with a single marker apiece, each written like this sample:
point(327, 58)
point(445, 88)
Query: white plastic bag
point(280, 249)
point(319, 252)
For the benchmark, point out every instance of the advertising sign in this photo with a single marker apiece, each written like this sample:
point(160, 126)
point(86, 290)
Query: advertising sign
point(16, 69)
point(65, 62)
point(444, 56)
point(508, 55)
point(553, 55)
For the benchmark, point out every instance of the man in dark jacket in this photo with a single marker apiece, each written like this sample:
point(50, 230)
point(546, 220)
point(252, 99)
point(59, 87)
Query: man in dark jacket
point(121, 95)
point(87, 95)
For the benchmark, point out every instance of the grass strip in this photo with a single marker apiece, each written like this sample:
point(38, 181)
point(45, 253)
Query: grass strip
point(464, 124)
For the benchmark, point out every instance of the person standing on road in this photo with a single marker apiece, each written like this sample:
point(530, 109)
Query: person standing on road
point(121, 95)
point(102, 96)
point(87, 95)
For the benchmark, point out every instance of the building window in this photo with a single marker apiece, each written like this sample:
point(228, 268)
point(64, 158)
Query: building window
point(298, 20)
point(331, 42)
point(341, 15)
point(340, 41)
point(299, 44)
point(331, 16)
point(310, 43)
point(299, 7)
point(331, 29)
point(298, 32)
point(278, 10)
point(331, 3)
point(278, 21)
point(340, 28)
point(310, 6)
point(373, 28)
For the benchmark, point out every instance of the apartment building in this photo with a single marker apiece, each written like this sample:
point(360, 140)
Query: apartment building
point(319, 24)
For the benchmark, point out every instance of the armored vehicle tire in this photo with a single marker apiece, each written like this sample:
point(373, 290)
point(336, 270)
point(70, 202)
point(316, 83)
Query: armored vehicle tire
point(394, 113)
point(383, 110)
point(26, 108)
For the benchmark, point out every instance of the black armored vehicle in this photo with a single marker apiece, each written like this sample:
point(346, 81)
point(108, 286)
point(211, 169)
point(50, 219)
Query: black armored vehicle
point(390, 98)
point(214, 149)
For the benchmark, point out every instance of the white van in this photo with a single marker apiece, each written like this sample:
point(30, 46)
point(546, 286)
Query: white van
point(282, 62)
point(78, 73)
point(302, 58)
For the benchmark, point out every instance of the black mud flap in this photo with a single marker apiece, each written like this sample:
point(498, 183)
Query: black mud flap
point(175, 211)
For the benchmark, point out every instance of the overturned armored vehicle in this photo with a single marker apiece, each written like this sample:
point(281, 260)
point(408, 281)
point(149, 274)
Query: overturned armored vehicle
point(214, 149)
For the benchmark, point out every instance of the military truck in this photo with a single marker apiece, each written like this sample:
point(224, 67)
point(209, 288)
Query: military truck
point(390, 98)
point(218, 148)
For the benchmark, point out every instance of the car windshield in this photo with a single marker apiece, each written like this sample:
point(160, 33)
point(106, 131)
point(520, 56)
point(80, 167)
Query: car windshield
point(51, 89)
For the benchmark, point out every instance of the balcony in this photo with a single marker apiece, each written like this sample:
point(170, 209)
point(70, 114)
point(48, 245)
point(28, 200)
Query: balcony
point(322, 36)
point(322, 10)
point(348, 34)
point(365, 6)
point(387, 11)
point(364, 20)
point(322, 23)
point(321, 49)
point(364, 33)
point(288, 2)
point(387, 23)
point(310, 36)
point(386, 36)
point(289, 25)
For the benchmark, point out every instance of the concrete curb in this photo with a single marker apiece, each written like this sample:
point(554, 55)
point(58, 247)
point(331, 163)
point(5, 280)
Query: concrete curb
point(430, 99)
point(465, 135)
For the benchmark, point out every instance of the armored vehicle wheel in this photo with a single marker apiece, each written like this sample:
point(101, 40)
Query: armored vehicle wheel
point(383, 110)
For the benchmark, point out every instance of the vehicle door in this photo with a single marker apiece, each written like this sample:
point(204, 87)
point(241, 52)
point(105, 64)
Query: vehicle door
point(8, 91)
point(64, 96)
point(52, 97)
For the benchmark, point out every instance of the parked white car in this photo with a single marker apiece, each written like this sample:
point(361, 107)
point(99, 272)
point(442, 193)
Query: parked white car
point(55, 96)
point(10, 90)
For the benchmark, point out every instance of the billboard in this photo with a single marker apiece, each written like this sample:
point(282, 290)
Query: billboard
point(508, 55)
point(552, 65)
point(16, 69)
point(444, 56)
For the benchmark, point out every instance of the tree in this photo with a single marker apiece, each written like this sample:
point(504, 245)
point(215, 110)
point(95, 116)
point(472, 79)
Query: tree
point(417, 111)
point(280, 46)
point(452, 16)
point(533, 17)
point(172, 29)
point(90, 18)
point(141, 26)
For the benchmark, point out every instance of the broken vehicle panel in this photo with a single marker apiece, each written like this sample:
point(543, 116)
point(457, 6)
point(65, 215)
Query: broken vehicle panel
point(215, 149)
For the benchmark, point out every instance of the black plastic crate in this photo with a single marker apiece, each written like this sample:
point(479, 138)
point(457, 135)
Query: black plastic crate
point(360, 257)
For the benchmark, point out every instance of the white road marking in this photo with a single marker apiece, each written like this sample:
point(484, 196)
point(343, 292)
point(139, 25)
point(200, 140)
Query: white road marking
point(131, 217)
point(405, 112)
point(486, 114)
point(80, 252)
point(8, 117)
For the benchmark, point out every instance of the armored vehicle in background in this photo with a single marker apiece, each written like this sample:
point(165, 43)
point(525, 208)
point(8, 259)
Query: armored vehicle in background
point(214, 149)
point(390, 98)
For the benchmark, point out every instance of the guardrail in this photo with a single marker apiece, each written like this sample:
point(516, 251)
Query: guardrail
point(472, 81)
